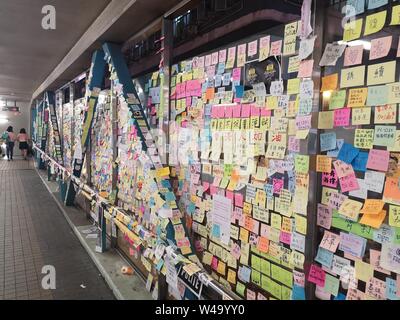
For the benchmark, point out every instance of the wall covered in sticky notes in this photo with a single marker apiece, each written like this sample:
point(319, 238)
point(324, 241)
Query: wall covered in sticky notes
point(358, 232)
point(240, 132)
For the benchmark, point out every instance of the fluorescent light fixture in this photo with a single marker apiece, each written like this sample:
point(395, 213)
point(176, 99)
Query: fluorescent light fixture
point(366, 44)
point(3, 120)
point(2, 103)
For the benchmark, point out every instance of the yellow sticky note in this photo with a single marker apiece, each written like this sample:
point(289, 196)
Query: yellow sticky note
point(231, 276)
point(394, 92)
point(352, 30)
point(271, 102)
point(276, 220)
point(301, 224)
point(361, 116)
point(385, 114)
point(162, 172)
point(357, 97)
point(364, 271)
point(395, 16)
point(221, 267)
point(352, 77)
point(374, 22)
point(325, 120)
point(324, 163)
point(293, 86)
point(373, 220)
point(394, 216)
point(364, 138)
point(381, 73)
point(350, 208)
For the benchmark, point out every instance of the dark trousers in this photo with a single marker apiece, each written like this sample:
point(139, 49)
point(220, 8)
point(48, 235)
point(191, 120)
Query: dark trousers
point(10, 150)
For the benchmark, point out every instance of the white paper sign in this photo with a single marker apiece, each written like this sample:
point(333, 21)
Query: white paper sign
point(331, 54)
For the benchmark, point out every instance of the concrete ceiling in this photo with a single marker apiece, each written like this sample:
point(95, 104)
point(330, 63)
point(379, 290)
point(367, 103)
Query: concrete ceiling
point(28, 53)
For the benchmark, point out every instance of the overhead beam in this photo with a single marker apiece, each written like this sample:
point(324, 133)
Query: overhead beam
point(114, 10)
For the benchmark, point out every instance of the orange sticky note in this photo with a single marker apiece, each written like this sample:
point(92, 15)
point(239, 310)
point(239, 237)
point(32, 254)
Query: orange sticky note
point(324, 163)
point(210, 93)
point(329, 82)
point(392, 190)
point(263, 244)
point(373, 220)
point(372, 206)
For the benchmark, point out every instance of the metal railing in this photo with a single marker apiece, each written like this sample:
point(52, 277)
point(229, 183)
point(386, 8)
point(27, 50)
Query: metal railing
point(91, 194)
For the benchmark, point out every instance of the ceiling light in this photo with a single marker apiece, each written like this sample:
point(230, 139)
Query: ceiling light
point(3, 120)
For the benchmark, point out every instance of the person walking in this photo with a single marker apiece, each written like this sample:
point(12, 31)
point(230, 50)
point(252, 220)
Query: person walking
point(23, 142)
point(9, 137)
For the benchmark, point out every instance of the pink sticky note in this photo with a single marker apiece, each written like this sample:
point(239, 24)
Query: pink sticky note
point(206, 186)
point(353, 55)
point(285, 237)
point(236, 110)
point(221, 112)
point(229, 194)
point(252, 48)
point(276, 48)
point(349, 183)
point(330, 241)
point(330, 179)
point(265, 113)
point(265, 230)
point(380, 47)
point(213, 189)
point(222, 55)
point(236, 74)
point(214, 57)
point(239, 200)
point(251, 295)
point(305, 68)
point(341, 117)
point(214, 263)
point(207, 60)
point(378, 160)
point(256, 227)
point(316, 275)
point(228, 111)
point(245, 111)
point(277, 185)
point(214, 112)
point(255, 111)
point(398, 285)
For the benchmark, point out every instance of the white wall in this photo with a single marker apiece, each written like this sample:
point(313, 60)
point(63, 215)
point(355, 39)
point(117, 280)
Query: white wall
point(17, 121)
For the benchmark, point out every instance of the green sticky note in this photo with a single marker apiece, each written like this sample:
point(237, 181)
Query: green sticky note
point(286, 293)
point(274, 288)
point(331, 285)
point(240, 288)
point(282, 275)
point(255, 262)
point(396, 235)
point(301, 163)
point(265, 267)
point(256, 277)
point(384, 136)
point(338, 99)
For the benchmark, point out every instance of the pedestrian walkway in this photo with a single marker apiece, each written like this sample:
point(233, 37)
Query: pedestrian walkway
point(34, 233)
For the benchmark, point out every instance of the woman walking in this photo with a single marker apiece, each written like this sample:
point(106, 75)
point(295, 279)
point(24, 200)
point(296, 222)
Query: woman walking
point(23, 142)
point(9, 136)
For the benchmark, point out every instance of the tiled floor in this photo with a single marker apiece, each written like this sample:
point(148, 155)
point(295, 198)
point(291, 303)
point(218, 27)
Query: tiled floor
point(34, 233)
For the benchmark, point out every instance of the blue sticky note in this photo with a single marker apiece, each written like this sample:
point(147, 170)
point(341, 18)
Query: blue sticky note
point(347, 153)
point(165, 183)
point(244, 274)
point(216, 230)
point(335, 152)
point(191, 208)
point(269, 190)
point(220, 68)
point(360, 162)
point(324, 257)
point(298, 293)
point(373, 4)
point(391, 289)
point(239, 90)
point(328, 141)
point(355, 7)
point(340, 296)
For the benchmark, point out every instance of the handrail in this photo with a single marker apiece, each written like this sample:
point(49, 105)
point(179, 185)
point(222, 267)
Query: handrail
point(91, 194)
